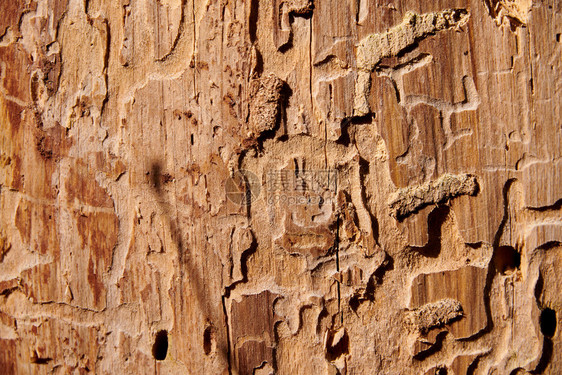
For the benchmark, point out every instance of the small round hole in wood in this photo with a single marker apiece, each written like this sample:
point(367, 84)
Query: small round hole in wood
point(209, 342)
point(160, 346)
point(548, 322)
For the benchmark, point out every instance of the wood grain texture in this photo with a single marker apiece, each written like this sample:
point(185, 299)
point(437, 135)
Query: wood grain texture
point(280, 187)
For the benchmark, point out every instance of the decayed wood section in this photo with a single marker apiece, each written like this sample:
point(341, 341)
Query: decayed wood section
point(280, 186)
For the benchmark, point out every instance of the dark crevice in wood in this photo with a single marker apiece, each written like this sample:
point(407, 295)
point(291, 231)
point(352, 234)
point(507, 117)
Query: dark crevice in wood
point(160, 346)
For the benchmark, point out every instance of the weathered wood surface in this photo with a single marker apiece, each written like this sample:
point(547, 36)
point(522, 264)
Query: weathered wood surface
point(280, 186)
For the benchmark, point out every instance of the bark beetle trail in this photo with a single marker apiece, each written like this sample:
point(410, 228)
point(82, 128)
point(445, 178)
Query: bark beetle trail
point(228, 187)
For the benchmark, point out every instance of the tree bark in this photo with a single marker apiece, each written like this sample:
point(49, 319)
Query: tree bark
point(280, 186)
